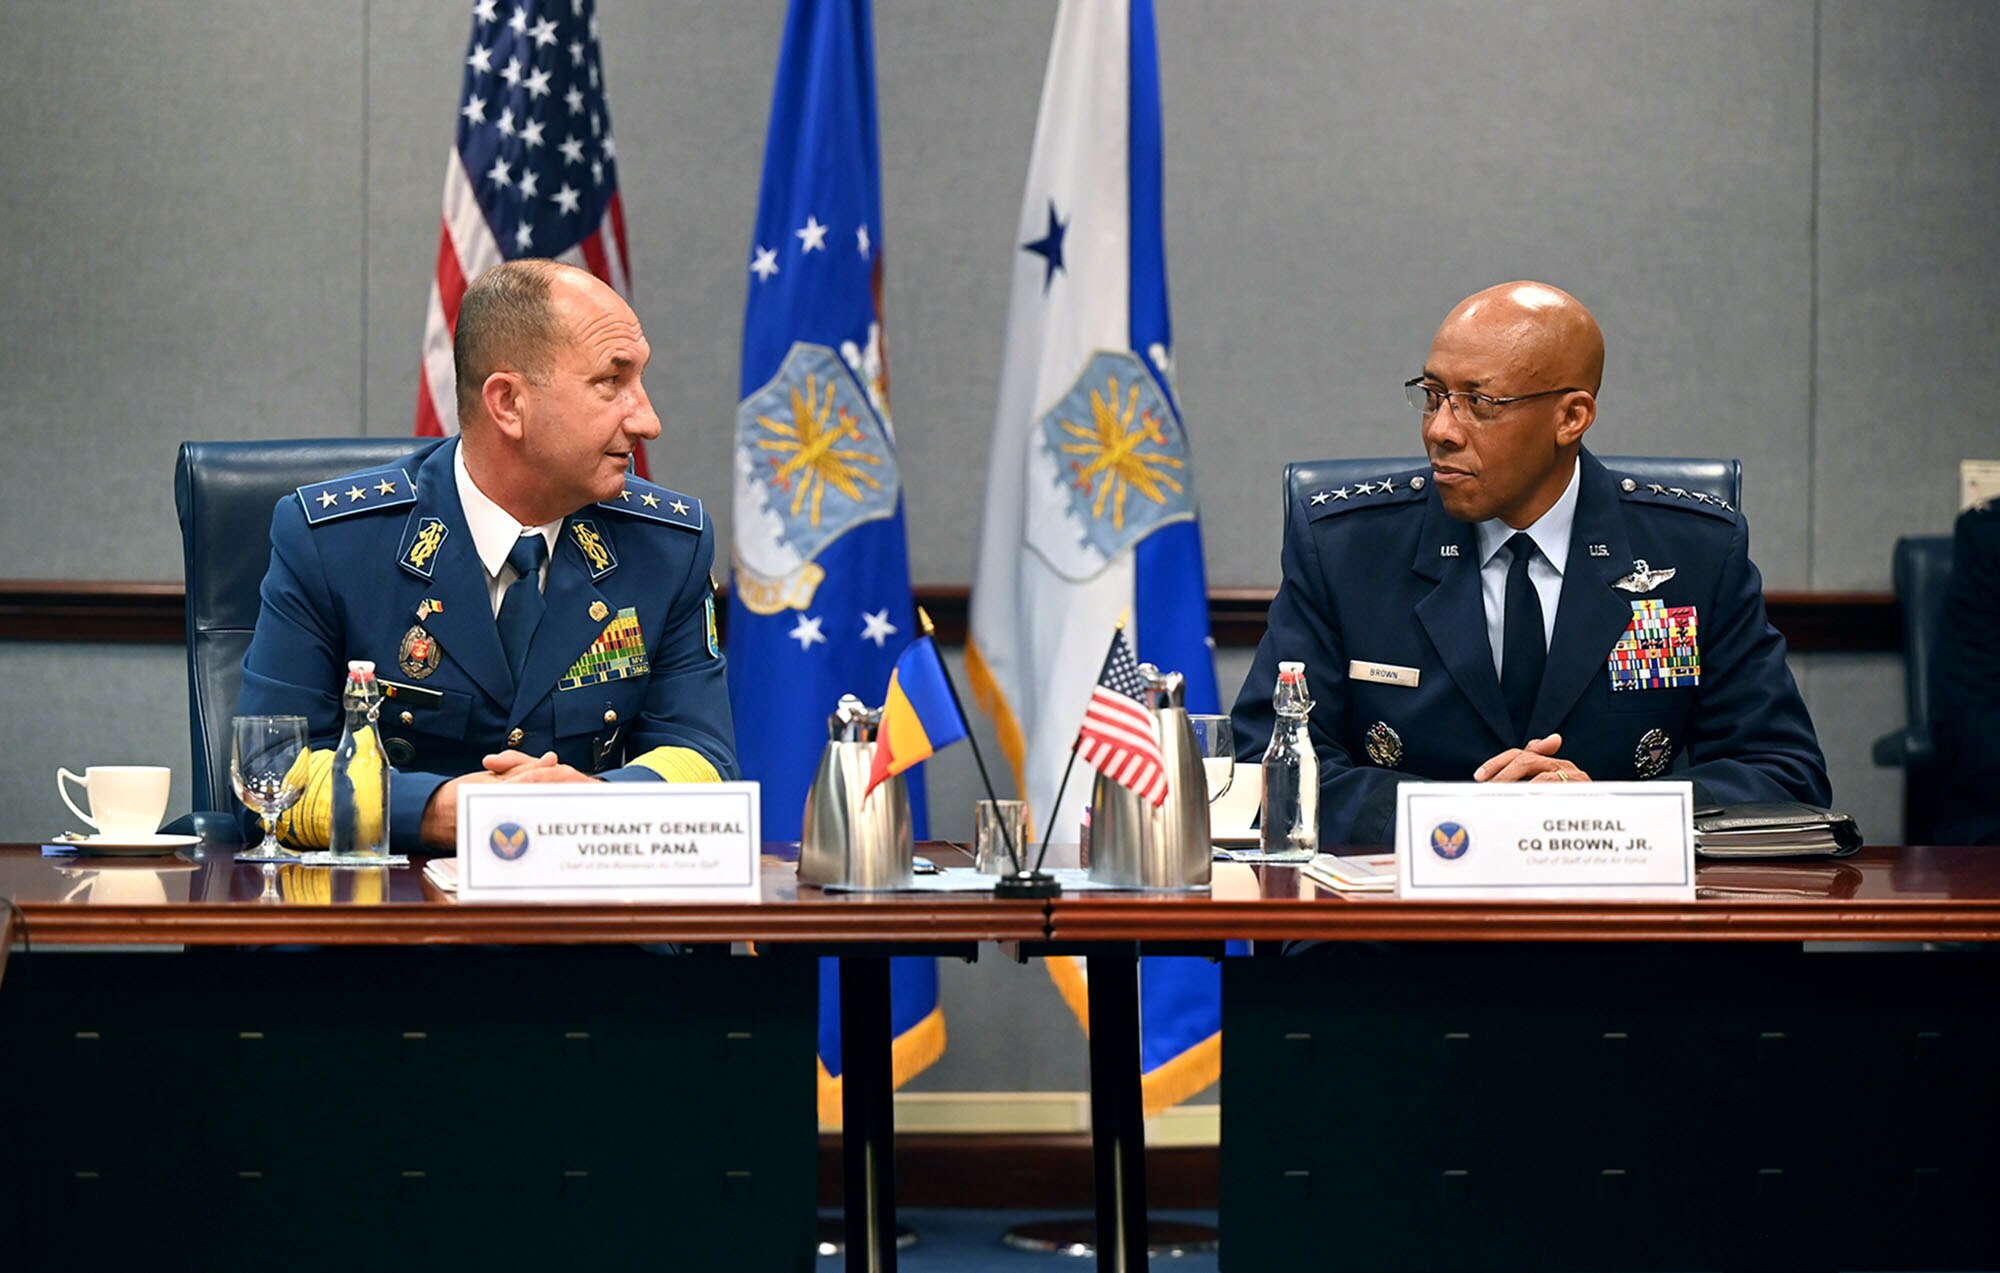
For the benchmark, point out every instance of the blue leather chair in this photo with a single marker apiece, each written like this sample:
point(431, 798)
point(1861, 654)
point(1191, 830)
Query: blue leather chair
point(225, 492)
point(1720, 478)
point(1922, 575)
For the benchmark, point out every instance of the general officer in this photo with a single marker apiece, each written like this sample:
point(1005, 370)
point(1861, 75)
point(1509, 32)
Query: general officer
point(535, 612)
point(1967, 687)
point(1517, 613)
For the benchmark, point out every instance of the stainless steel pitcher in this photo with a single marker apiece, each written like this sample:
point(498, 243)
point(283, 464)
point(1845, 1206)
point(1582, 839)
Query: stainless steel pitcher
point(1135, 843)
point(846, 839)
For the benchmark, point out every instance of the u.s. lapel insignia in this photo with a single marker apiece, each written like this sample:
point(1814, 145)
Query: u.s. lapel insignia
point(1653, 754)
point(1600, 550)
point(421, 553)
point(1384, 745)
point(714, 645)
point(419, 654)
point(596, 553)
point(1643, 577)
point(598, 610)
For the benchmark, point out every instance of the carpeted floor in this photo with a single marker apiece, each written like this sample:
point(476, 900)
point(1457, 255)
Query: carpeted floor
point(968, 1241)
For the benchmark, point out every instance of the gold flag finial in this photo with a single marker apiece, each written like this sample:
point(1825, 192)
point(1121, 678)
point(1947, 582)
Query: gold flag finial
point(924, 621)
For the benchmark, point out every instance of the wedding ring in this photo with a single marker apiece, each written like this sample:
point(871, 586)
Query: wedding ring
point(1562, 775)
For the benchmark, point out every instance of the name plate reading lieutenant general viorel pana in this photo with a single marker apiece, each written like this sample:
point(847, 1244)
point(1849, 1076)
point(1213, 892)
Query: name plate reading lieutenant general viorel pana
point(608, 841)
point(1536, 840)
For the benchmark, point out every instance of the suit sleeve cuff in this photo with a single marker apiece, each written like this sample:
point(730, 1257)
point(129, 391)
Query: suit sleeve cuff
point(670, 764)
point(409, 795)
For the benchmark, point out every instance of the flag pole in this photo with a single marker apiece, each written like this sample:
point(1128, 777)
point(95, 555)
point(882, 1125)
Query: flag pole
point(985, 780)
point(1063, 786)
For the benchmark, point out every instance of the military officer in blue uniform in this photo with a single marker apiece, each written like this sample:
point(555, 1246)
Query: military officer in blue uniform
point(1966, 691)
point(1514, 611)
point(534, 611)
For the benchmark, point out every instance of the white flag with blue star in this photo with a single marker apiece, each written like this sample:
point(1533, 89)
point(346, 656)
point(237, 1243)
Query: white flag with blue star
point(1090, 497)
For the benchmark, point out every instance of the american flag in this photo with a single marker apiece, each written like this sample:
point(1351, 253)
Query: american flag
point(534, 171)
point(1118, 735)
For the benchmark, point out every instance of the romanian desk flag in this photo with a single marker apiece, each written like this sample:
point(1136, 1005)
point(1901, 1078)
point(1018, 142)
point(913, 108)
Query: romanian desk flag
point(820, 603)
point(919, 714)
point(533, 172)
point(1090, 498)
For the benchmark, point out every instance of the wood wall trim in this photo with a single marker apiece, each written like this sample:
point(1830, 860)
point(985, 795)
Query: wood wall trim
point(68, 610)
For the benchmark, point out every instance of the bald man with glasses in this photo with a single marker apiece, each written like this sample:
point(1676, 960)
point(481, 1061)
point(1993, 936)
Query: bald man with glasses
point(1515, 612)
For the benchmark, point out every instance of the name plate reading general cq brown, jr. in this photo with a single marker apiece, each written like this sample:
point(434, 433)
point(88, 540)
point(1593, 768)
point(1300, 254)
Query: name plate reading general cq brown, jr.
point(1538, 841)
point(609, 841)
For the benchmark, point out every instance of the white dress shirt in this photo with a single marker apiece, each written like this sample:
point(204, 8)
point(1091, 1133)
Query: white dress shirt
point(1545, 570)
point(494, 531)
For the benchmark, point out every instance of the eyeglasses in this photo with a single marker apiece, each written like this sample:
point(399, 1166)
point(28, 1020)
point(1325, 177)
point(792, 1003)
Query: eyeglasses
point(1469, 407)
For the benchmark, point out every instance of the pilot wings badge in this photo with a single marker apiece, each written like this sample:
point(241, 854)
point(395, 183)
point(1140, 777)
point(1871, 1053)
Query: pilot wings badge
point(814, 459)
point(1111, 468)
point(1643, 577)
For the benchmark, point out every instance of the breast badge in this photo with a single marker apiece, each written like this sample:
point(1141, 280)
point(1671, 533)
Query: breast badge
point(1383, 745)
point(419, 654)
point(1653, 754)
point(1661, 649)
point(618, 652)
point(1643, 577)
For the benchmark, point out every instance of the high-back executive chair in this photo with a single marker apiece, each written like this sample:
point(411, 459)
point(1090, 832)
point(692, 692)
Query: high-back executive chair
point(1923, 576)
point(1722, 479)
point(225, 492)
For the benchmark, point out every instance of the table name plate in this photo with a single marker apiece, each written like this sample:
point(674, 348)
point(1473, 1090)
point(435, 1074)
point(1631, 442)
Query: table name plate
point(1536, 841)
point(619, 841)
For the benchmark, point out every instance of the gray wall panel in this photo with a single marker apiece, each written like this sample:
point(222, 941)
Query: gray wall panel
point(181, 212)
point(1909, 315)
point(1340, 174)
point(78, 705)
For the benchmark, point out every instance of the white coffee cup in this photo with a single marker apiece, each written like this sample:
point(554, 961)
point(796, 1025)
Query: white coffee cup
point(126, 801)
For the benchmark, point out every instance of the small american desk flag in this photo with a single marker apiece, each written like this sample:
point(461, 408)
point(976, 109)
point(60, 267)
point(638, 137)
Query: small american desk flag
point(533, 171)
point(1118, 735)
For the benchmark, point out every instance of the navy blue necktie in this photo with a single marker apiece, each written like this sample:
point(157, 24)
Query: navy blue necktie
point(1523, 647)
point(521, 609)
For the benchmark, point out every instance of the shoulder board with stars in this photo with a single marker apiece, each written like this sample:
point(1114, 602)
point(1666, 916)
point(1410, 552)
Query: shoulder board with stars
point(641, 498)
point(1394, 488)
point(1667, 496)
point(339, 497)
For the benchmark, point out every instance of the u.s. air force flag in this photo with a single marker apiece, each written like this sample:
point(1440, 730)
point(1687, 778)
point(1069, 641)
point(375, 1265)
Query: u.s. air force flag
point(821, 602)
point(1090, 497)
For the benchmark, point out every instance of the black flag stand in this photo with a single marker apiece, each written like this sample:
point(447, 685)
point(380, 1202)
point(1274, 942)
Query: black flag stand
point(1023, 883)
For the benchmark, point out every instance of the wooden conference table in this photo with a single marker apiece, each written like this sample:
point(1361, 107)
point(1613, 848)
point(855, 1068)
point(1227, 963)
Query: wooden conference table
point(203, 898)
point(1883, 894)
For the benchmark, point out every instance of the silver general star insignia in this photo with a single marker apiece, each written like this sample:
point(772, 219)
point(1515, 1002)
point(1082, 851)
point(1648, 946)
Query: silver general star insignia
point(1643, 577)
point(1383, 745)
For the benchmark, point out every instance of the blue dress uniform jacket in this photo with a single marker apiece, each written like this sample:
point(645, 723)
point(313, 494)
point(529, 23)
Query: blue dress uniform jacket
point(1966, 684)
point(623, 677)
point(1386, 576)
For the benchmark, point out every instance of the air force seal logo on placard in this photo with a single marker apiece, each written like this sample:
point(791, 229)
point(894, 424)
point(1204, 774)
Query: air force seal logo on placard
point(1450, 840)
point(509, 841)
point(813, 461)
point(1111, 467)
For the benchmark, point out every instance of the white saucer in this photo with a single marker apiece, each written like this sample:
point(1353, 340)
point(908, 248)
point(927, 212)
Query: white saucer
point(156, 843)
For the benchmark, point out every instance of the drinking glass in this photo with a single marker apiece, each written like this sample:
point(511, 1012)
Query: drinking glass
point(1215, 743)
point(267, 767)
